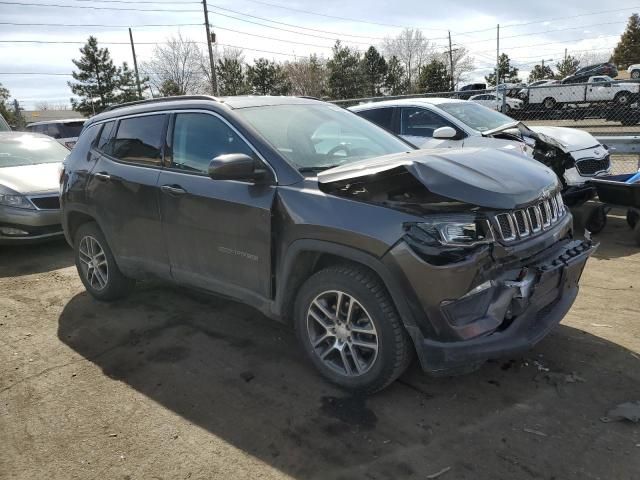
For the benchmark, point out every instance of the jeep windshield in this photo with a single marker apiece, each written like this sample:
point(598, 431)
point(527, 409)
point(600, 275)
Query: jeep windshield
point(476, 116)
point(317, 137)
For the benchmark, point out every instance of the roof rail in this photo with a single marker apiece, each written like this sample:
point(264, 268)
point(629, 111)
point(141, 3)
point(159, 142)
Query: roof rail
point(161, 99)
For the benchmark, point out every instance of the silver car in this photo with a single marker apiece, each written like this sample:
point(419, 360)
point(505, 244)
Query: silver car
point(30, 166)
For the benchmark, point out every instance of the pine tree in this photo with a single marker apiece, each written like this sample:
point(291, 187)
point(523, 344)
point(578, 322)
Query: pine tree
point(18, 120)
point(231, 78)
point(374, 68)
point(4, 107)
point(96, 81)
point(540, 72)
point(628, 49)
point(567, 66)
point(127, 85)
point(508, 74)
point(345, 77)
point(434, 77)
point(170, 88)
point(395, 82)
point(267, 78)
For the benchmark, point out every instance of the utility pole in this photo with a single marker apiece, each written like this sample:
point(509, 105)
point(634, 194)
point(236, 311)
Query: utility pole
point(135, 64)
point(214, 83)
point(453, 86)
point(565, 54)
point(498, 57)
point(543, 64)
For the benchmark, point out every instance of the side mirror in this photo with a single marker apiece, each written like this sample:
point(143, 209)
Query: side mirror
point(445, 133)
point(235, 166)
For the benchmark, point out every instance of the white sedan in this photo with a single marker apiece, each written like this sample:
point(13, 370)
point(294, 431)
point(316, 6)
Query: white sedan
point(575, 155)
point(500, 103)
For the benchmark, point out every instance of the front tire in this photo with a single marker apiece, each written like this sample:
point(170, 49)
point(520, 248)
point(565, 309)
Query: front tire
point(549, 103)
point(348, 326)
point(623, 99)
point(96, 265)
point(635, 74)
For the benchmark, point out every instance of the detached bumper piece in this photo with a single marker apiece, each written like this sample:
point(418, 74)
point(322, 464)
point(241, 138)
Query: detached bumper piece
point(518, 312)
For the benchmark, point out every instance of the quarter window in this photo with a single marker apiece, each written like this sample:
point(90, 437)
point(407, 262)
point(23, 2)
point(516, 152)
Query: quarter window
point(420, 122)
point(140, 140)
point(198, 138)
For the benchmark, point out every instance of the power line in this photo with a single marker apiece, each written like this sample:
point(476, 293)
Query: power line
point(101, 25)
point(91, 7)
point(291, 25)
point(271, 38)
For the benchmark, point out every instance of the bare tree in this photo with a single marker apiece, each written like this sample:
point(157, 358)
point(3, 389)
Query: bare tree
point(178, 62)
point(462, 64)
point(307, 76)
point(413, 51)
point(43, 106)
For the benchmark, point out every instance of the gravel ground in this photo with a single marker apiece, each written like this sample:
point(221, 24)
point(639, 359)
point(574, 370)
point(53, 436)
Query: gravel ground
point(170, 384)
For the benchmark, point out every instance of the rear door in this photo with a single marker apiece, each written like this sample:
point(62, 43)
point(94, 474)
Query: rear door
point(123, 189)
point(383, 117)
point(217, 232)
point(417, 125)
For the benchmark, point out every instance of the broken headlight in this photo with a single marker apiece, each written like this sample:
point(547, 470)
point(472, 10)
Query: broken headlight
point(455, 231)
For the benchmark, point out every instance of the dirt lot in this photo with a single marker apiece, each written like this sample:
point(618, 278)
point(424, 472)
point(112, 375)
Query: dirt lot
point(169, 384)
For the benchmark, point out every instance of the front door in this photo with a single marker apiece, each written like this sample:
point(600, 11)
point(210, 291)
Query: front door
point(417, 125)
point(217, 232)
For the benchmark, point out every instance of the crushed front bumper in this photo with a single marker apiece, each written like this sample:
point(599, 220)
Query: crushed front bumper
point(507, 312)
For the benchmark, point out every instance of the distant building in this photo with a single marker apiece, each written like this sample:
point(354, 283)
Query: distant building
point(46, 115)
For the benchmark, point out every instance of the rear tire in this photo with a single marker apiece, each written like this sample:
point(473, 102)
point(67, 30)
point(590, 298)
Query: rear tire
point(96, 265)
point(623, 99)
point(597, 220)
point(549, 103)
point(636, 233)
point(361, 345)
point(635, 74)
point(632, 218)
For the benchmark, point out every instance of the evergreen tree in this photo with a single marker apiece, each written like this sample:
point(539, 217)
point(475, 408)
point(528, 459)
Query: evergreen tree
point(540, 72)
point(374, 68)
point(628, 49)
point(508, 74)
point(395, 81)
point(345, 77)
point(96, 81)
point(267, 78)
point(4, 103)
point(566, 67)
point(169, 88)
point(127, 85)
point(434, 77)
point(18, 120)
point(231, 78)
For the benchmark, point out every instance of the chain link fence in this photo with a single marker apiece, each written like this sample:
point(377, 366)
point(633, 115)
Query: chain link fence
point(608, 109)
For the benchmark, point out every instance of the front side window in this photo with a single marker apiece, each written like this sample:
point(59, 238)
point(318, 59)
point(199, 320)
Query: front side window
point(420, 122)
point(319, 136)
point(140, 139)
point(28, 149)
point(198, 138)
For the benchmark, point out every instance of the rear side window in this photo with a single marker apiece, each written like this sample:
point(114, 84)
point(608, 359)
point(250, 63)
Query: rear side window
point(105, 136)
point(380, 116)
point(198, 138)
point(140, 140)
point(420, 122)
point(82, 149)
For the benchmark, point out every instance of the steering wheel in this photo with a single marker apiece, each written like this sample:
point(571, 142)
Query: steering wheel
point(343, 146)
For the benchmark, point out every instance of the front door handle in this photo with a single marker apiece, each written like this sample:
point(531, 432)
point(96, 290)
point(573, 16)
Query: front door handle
point(105, 177)
point(173, 189)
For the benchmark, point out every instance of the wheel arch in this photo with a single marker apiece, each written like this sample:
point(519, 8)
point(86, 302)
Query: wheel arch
point(73, 220)
point(305, 257)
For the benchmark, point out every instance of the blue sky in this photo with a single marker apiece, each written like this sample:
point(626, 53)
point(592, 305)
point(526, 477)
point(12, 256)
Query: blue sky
point(530, 31)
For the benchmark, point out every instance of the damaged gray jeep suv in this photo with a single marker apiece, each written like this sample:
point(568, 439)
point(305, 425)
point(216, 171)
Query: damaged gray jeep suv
point(371, 249)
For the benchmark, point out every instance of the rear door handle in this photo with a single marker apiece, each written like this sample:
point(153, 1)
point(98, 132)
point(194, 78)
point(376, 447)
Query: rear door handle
point(105, 177)
point(173, 189)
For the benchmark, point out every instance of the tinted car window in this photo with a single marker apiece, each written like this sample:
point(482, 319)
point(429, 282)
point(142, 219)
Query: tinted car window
point(53, 130)
point(85, 142)
point(72, 129)
point(379, 116)
point(140, 139)
point(420, 122)
point(105, 136)
point(198, 138)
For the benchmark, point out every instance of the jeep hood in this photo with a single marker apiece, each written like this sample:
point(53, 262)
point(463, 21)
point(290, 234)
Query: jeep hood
point(487, 178)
